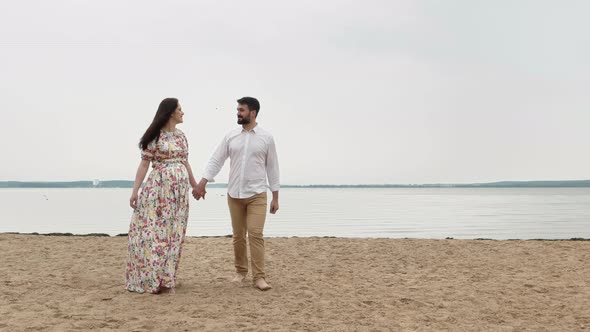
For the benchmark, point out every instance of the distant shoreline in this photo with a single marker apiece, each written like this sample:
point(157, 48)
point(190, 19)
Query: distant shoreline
point(129, 184)
point(293, 237)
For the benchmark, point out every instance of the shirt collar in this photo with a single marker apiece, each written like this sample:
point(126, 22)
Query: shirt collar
point(256, 127)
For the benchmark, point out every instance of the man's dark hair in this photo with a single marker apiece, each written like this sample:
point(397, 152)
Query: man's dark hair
point(252, 103)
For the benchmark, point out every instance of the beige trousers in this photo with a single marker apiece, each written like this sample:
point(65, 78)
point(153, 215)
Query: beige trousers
point(247, 217)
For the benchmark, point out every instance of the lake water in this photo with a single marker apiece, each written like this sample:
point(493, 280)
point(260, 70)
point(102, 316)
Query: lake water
point(498, 213)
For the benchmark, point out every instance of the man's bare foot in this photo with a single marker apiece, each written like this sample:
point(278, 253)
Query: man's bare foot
point(262, 284)
point(239, 278)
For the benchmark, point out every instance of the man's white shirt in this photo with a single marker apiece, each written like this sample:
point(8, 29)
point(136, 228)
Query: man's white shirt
point(253, 159)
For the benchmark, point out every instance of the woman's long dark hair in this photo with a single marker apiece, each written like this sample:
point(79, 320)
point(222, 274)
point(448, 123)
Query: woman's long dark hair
point(165, 110)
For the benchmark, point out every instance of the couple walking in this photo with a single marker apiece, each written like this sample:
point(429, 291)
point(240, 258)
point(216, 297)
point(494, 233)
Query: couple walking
point(160, 215)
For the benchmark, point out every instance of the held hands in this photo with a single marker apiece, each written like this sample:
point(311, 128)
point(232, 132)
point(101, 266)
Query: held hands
point(199, 192)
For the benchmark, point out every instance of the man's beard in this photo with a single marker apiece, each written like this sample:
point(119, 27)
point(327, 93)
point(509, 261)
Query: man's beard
point(245, 120)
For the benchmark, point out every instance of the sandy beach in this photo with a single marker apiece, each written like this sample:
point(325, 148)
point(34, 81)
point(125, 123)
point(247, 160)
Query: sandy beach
point(72, 283)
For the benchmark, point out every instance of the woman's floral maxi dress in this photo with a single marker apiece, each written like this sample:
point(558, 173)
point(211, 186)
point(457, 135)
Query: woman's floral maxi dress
point(158, 225)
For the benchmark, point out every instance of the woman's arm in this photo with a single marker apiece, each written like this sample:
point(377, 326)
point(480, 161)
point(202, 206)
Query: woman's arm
point(192, 180)
point(144, 165)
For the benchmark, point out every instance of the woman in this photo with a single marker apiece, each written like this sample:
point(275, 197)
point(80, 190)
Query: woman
point(158, 225)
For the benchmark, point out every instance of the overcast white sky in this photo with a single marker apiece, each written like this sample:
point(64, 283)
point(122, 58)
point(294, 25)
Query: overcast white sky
point(354, 91)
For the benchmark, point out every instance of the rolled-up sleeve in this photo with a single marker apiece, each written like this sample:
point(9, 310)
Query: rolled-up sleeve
point(272, 167)
point(216, 161)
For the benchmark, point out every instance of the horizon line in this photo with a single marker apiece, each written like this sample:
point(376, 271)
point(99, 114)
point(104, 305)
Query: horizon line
point(326, 184)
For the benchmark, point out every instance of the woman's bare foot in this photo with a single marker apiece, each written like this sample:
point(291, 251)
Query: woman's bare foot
point(262, 284)
point(166, 290)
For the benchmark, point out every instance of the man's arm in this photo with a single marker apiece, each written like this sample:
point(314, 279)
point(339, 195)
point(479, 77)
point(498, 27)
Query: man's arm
point(274, 204)
point(273, 175)
point(213, 167)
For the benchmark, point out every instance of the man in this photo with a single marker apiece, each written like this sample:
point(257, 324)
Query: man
point(253, 159)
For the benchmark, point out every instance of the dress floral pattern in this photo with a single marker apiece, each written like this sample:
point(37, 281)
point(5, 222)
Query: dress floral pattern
point(158, 225)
